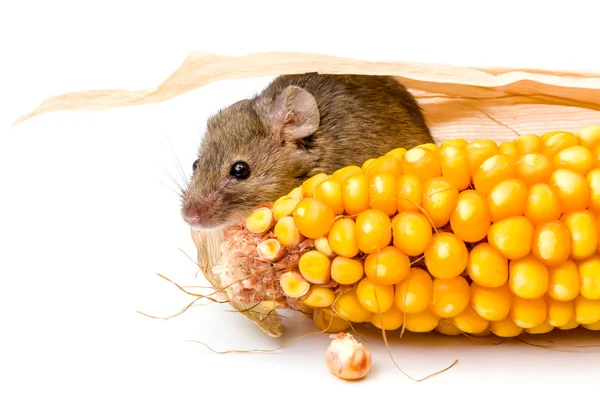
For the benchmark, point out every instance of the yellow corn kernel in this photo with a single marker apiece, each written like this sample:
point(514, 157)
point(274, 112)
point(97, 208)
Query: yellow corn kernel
point(548, 135)
point(450, 296)
point(325, 321)
point(342, 237)
point(329, 192)
point(293, 284)
point(383, 192)
point(414, 294)
point(410, 193)
point(534, 168)
point(512, 237)
point(439, 200)
point(528, 143)
point(542, 328)
point(583, 229)
point(479, 151)
point(284, 208)
point(313, 218)
point(319, 297)
point(309, 185)
point(578, 159)
point(593, 178)
point(346, 271)
point(398, 153)
point(542, 204)
point(492, 171)
point(355, 193)
point(587, 311)
point(295, 193)
point(507, 199)
point(589, 136)
point(387, 266)
point(384, 164)
point(487, 267)
point(558, 142)
point(375, 297)
point(528, 277)
point(552, 243)
point(563, 281)
point(571, 188)
point(528, 313)
point(492, 304)
point(287, 233)
point(446, 256)
point(424, 321)
point(390, 320)
point(366, 164)
point(348, 307)
point(509, 149)
point(589, 277)
point(455, 166)
point(270, 250)
point(456, 143)
point(592, 327)
point(322, 246)
point(373, 231)
point(260, 221)
point(341, 174)
point(446, 327)
point(505, 328)
point(469, 321)
point(421, 162)
point(470, 220)
point(314, 266)
point(411, 233)
point(431, 146)
point(560, 312)
point(571, 325)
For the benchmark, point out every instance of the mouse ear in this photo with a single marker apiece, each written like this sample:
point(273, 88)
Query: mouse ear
point(294, 114)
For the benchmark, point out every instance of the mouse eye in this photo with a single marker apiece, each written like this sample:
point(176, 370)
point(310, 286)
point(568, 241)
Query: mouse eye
point(240, 170)
point(195, 165)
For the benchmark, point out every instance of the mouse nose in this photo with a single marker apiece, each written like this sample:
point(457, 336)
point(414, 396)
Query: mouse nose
point(194, 214)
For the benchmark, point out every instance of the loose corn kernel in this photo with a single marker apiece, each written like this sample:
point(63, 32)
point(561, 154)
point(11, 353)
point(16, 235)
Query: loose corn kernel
point(390, 320)
point(528, 277)
point(439, 200)
point(431, 146)
point(487, 267)
point(450, 296)
point(314, 266)
point(260, 221)
point(319, 297)
point(587, 311)
point(593, 178)
point(322, 246)
point(571, 188)
point(375, 297)
point(373, 231)
point(592, 327)
point(563, 281)
point(512, 237)
point(560, 312)
point(578, 159)
point(492, 304)
point(387, 266)
point(456, 143)
point(421, 162)
point(527, 313)
point(558, 142)
point(410, 193)
point(528, 143)
point(534, 168)
point(589, 277)
point(507, 199)
point(284, 207)
point(446, 327)
point(589, 136)
point(341, 174)
point(505, 328)
point(346, 271)
point(295, 193)
point(383, 192)
point(446, 256)
point(414, 294)
point(542, 328)
point(286, 232)
point(397, 153)
point(548, 135)
point(469, 321)
point(366, 164)
point(552, 243)
point(329, 192)
point(342, 237)
point(293, 284)
point(348, 307)
point(411, 233)
point(470, 220)
point(325, 321)
point(542, 204)
point(571, 325)
point(385, 164)
point(313, 218)
point(583, 229)
point(455, 167)
point(509, 149)
point(309, 185)
point(355, 193)
point(270, 250)
point(492, 171)
point(479, 151)
point(424, 321)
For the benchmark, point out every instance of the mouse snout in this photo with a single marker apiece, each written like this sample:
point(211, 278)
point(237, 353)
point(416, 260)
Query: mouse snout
point(200, 213)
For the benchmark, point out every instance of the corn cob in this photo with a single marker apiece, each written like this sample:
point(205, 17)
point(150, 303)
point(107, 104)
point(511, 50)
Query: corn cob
point(475, 238)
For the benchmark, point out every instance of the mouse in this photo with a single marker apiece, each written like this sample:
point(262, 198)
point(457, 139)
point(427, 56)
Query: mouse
point(260, 148)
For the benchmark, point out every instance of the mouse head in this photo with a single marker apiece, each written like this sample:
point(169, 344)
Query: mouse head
point(253, 152)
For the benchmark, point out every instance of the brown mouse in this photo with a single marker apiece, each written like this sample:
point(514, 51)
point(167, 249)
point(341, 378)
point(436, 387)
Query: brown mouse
point(259, 149)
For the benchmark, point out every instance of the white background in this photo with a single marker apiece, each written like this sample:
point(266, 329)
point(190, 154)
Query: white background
point(88, 216)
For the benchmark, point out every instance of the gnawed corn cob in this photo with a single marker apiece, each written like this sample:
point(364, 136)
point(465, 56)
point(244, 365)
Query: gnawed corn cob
point(473, 237)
